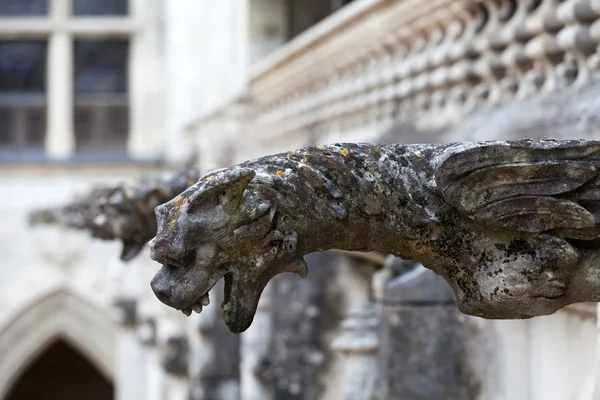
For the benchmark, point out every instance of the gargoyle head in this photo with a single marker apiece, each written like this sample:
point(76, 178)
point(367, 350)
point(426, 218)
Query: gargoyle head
point(224, 226)
point(122, 215)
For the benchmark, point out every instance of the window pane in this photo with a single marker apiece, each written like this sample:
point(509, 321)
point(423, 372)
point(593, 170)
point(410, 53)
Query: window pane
point(16, 8)
point(22, 124)
point(306, 13)
point(83, 128)
point(101, 128)
point(6, 137)
point(22, 96)
point(101, 66)
point(36, 127)
point(100, 7)
point(101, 101)
point(22, 66)
point(117, 125)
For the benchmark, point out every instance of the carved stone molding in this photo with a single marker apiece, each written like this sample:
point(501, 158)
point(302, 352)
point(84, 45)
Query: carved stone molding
point(359, 331)
point(359, 343)
point(429, 63)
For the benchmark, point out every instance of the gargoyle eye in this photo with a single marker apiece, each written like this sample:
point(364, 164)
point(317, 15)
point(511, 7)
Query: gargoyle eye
point(274, 239)
point(276, 242)
point(183, 261)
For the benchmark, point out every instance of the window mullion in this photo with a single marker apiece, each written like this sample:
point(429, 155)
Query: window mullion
point(60, 139)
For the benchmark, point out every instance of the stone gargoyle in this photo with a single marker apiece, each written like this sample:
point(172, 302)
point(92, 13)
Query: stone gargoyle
point(124, 211)
point(514, 227)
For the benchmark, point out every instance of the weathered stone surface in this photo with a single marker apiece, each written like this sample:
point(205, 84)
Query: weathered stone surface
point(124, 211)
point(517, 255)
point(422, 355)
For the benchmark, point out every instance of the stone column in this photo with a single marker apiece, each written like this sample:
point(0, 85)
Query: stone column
point(214, 353)
point(597, 366)
point(173, 357)
point(147, 329)
point(254, 348)
point(60, 138)
point(359, 344)
point(202, 347)
point(130, 382)
point(146, 91)
point(175, 364)
point(156, 375)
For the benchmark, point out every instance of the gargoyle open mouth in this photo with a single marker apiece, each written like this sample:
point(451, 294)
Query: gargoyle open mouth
point(197, 306)
point(204, 300)
point(239, 302)
point(226, 304)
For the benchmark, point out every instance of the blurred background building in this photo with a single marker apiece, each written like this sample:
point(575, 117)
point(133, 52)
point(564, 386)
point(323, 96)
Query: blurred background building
point(100, 91)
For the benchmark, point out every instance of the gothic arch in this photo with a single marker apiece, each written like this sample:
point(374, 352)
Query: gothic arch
point(58, 315)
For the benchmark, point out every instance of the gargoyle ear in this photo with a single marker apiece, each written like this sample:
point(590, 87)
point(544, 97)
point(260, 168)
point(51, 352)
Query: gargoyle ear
point(131, 249)
point(228, 190)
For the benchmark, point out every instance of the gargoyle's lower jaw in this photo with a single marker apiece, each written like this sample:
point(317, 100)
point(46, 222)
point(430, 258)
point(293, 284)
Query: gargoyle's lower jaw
point(240, 301)
point(190, 296)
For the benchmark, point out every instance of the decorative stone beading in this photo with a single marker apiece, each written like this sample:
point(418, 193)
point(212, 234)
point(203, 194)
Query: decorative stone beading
point(379, 63)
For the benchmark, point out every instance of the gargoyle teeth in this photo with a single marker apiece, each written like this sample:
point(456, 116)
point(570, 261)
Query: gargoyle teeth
point(204, 300)
point(197, 308)
point(187, 311)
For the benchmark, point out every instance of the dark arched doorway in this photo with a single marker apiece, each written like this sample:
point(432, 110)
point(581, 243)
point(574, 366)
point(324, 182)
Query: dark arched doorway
point(62, 373)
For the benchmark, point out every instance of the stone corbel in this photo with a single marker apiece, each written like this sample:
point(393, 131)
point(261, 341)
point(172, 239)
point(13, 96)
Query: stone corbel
point(513, 227)
point(123, 211)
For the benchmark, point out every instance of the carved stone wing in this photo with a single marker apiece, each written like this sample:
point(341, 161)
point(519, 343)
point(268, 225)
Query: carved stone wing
point(526, 186)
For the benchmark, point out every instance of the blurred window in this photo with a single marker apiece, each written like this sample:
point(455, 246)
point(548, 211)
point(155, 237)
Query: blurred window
point(100, 7)
point(305, 13)
point(22, 95)
point(19, 8)
point(101, 101)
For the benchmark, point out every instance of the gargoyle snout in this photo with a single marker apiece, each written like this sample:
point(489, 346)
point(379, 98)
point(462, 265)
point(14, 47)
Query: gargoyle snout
point(161, 285)
point(163, 251)
point(155, 245)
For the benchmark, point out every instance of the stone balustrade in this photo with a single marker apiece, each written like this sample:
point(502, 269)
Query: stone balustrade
point(376, 63)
